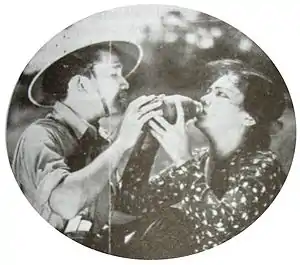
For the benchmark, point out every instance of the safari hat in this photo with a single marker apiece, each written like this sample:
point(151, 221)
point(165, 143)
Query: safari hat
point(129, 53)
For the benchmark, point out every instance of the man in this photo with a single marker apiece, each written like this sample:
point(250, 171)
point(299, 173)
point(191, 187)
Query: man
point(60, 162)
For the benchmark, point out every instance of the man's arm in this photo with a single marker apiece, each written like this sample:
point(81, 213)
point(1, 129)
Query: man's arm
point(79, 188)
point(40, 168)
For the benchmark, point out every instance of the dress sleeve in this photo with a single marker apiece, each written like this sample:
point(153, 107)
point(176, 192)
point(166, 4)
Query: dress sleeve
point(162, 190)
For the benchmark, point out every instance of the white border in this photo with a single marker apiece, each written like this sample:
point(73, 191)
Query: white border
point(26, 25)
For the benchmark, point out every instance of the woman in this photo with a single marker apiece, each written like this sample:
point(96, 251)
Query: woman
point(220, 190)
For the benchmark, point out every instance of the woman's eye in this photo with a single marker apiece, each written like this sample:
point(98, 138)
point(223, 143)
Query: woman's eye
point(208, 90)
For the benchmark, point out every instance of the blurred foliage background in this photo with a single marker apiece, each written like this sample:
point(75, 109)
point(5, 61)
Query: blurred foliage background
point(173, 62)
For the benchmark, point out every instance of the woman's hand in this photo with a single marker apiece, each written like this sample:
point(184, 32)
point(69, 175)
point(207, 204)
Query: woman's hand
point(173, 138)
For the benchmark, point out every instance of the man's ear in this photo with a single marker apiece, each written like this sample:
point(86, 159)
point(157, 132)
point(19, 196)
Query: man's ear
point(248, 119)
point(79, 83)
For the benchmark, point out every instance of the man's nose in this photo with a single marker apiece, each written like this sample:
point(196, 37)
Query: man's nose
point(205, 100)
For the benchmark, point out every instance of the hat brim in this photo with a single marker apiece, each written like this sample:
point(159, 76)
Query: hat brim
point(130, 55)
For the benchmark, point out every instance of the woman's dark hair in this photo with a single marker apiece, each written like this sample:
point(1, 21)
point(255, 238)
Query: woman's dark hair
point(57, 76)
point(263, 99)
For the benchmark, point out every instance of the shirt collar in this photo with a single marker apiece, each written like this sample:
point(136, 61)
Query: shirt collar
point(78, 125)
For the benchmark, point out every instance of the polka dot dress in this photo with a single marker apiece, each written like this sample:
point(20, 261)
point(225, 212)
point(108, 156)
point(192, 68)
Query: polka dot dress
point(217, 207)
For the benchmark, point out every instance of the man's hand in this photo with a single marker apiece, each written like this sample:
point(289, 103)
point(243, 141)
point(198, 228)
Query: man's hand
point(173, 138)
point(139, 112)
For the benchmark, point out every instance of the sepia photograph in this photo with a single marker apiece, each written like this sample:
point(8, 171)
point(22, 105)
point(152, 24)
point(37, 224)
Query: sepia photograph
point(150, 132)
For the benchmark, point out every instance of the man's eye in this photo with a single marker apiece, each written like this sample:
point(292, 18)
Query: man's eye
point(221, 94)
point(114, 74)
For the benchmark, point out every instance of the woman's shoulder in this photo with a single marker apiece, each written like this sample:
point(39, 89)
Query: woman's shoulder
point(262, 165)
point(264, 160)
point(260, 156)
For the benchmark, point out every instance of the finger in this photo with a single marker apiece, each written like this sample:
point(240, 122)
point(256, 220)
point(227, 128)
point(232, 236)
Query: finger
point(150, 115)
point(156, 135)
point(156, 127)
point(149, 107)
point(141, 101)
point(180, 112)
point(162, 122)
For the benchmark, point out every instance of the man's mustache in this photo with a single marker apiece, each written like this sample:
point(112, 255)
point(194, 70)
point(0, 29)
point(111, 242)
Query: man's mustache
point(122, 100)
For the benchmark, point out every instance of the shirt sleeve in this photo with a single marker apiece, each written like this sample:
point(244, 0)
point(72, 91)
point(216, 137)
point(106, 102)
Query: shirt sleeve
point(252, 190)
point(39, 167)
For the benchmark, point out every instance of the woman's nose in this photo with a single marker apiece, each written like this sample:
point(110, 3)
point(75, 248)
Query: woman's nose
point(124, 85)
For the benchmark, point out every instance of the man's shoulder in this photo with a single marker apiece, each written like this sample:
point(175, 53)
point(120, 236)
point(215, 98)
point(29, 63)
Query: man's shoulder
point(42, 128)
point(48, 121)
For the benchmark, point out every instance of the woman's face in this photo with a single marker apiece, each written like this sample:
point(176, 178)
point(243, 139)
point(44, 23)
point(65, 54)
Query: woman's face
point(222, 106)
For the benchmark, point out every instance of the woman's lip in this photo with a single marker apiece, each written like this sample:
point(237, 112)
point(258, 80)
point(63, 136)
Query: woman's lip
point(199, 115)
point(203, 110)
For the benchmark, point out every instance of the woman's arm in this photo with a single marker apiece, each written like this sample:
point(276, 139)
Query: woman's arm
point(162, 190)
